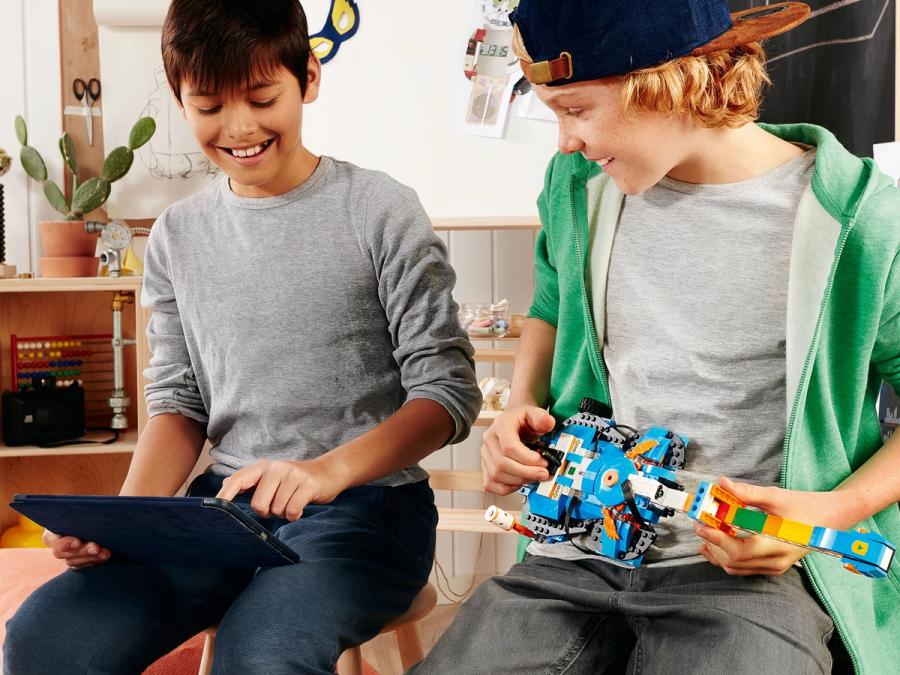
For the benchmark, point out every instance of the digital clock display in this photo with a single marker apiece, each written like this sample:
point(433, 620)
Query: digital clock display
point(500, 51)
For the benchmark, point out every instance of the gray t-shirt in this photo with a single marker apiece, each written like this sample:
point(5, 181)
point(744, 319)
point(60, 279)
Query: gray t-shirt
point(289, 325)
point(695, 328)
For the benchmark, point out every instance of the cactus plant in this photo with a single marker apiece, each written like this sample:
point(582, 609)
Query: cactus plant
point(93, 192)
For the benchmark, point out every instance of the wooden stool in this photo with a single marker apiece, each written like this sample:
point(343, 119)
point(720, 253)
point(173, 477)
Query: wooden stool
point(350, 663)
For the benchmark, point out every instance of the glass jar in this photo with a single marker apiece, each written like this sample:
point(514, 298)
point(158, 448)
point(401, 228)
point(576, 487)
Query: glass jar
point(485, 321)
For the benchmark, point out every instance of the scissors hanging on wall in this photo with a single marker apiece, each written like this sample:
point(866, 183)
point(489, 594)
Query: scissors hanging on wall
point(87, 93)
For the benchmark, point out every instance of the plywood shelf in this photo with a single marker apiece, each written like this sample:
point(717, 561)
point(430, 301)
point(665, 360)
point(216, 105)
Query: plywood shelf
point(495, 355)
point(71, 306)
point(486, 223)
point(69, 284)
point(468, 520)
point(454, 479)
point(126, 443)
point(486, 418)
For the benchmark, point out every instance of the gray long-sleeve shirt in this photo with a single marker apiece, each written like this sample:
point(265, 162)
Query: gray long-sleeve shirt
point(289, 325)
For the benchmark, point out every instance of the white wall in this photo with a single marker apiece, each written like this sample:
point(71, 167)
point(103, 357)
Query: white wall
point(29, 52)
point(391, 99)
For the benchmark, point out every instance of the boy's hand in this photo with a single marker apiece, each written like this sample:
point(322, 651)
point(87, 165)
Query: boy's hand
point(506, 463)
point(76, 553)
point(761, 555)
point(285, 487)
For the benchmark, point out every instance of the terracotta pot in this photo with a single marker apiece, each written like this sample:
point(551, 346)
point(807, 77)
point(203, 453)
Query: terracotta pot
point(69, 266)
point(66, 238)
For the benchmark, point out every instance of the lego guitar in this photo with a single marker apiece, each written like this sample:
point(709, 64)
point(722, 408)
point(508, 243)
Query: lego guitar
point(609, 484)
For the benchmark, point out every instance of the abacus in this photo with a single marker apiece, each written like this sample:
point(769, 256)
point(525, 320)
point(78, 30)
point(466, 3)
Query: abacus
point(85, 359)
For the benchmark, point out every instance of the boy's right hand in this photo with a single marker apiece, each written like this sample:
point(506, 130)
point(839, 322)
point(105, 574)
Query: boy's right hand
point(507, 464)
point(76, 553)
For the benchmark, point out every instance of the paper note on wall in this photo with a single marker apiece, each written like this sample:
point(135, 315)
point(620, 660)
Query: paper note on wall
point(887, 157)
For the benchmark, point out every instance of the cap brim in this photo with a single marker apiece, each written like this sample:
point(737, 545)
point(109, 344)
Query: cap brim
point(757, 23)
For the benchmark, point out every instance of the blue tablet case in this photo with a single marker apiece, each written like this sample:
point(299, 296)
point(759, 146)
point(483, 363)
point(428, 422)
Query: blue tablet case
point(164, 530)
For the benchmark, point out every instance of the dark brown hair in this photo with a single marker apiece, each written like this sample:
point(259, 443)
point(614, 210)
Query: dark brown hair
point(225, 46)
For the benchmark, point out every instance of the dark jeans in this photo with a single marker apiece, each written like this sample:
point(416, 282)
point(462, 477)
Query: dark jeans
point(364, 557)
point(587, 616)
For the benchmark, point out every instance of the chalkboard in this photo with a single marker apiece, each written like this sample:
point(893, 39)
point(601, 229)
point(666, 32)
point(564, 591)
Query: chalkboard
point(835, 70)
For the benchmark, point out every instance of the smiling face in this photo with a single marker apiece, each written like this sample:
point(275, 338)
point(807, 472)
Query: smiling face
point(636, 148)
point(253, 135)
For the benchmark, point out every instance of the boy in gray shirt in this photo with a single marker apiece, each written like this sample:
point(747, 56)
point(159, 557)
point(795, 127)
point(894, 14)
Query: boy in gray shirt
point(302, 321)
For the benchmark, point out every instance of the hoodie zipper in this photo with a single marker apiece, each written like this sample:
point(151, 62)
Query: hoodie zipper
point(592, 330)
point(790, 427)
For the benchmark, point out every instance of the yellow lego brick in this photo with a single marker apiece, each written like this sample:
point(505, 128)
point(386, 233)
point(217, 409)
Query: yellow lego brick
point(773, 523)
point(795, 532)
point(859, 547)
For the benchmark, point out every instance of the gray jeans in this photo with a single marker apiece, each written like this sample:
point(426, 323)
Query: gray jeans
point(588, 616)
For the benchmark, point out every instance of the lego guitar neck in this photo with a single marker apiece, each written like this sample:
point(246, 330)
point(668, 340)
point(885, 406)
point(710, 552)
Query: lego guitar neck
point(610, 484)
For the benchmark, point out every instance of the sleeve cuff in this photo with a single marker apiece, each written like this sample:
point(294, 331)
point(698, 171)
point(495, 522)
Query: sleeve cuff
point(461, 425)
point(546, 317)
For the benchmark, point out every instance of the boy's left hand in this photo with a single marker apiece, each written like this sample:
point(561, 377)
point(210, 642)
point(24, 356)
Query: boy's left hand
point(762, 555)
point(284, 487)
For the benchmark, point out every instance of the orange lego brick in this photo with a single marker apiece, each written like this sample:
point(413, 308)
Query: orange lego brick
point(773, 523)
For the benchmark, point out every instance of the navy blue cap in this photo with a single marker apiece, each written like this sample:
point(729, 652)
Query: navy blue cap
point(576, 40)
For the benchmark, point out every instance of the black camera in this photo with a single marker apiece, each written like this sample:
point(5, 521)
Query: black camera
point(43, 414)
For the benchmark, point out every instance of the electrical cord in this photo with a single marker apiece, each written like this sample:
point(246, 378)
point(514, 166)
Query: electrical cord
point(83, 441)
point(568, 535)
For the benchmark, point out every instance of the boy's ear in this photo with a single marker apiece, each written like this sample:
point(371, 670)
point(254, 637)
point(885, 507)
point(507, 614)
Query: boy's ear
point(313, 78)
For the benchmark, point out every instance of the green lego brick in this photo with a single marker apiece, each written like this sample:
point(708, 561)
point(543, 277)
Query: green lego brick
point(749, 520)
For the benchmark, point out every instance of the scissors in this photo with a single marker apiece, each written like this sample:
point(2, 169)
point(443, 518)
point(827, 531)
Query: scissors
point(87, 93)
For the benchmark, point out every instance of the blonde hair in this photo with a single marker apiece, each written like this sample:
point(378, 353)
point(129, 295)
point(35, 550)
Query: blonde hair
point(722, 88)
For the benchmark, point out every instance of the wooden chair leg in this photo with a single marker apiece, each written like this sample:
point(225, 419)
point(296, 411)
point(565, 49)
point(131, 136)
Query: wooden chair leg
point(209, 648)
point(350, 662)
point(409, 645)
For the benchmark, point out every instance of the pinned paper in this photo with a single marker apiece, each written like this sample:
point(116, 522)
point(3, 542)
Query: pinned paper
point(887, 157)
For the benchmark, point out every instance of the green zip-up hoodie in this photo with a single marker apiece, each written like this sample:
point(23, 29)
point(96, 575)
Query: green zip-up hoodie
point(843, 339)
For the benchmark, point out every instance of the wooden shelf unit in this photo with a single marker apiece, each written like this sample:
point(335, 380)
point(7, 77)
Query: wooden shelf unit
point(487, 350)
point(462, 520)
point(465, 223)
point(71, 306)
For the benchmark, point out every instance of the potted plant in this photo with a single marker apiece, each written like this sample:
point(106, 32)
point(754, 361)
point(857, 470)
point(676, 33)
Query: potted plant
point(65, 240)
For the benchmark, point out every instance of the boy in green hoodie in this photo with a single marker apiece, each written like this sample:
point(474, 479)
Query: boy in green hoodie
point(734, 282)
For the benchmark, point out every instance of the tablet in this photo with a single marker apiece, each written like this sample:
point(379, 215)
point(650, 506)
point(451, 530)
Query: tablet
point(163, 530)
